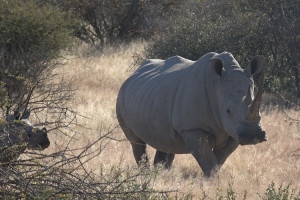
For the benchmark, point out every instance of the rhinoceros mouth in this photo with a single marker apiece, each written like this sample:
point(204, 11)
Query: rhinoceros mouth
point(251, 137)
point(44, 145)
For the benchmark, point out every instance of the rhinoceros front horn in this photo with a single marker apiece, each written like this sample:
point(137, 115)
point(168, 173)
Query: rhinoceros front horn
point(252, 113)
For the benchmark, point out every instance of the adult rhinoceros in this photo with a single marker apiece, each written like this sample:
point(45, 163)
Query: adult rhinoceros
point(17, 135)
point(203, 107)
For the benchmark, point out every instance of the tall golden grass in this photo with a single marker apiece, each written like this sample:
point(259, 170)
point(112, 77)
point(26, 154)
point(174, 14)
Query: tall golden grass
point(98, 77)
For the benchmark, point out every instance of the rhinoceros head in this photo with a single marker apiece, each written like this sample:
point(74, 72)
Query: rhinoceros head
point(238, 108)
point(24, 132)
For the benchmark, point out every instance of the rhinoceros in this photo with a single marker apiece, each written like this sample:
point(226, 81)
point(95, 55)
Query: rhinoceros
point(17, 135)
point(204, 107)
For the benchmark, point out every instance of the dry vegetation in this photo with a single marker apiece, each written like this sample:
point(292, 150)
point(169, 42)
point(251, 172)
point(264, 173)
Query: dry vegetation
point(98, 77)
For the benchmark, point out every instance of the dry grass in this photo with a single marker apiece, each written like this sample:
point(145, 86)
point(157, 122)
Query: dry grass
point(98, 79)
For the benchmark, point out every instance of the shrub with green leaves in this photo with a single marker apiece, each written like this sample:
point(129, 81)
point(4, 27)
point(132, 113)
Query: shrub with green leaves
point(32, 39)
point(244, 28)
point(34, 28)
point(105, 22)
point(283, 193)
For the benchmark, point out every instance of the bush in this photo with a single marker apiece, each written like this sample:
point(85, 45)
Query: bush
point(201, 31)
point(32, 39)
point(27, 27)
point(282, 193)
point(246, 28)
point(107, 21)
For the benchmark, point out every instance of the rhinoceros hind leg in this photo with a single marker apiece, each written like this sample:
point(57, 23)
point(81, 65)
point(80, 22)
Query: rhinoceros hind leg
point(138, 145)
point(165, 158)
point(139, 151)
point(222, 154)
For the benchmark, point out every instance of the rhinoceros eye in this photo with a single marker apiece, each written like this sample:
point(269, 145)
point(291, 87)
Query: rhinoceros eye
point(228, 111)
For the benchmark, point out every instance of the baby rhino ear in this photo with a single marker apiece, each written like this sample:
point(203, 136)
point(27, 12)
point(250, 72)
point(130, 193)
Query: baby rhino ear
point(255, 66)
point(26, 115)
point(217, 66)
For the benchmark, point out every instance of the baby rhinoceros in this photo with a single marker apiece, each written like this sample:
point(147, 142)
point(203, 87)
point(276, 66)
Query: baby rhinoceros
point(18, 135)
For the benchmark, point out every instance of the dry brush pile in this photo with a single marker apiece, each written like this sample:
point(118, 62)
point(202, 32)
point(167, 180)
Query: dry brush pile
point(63, 175)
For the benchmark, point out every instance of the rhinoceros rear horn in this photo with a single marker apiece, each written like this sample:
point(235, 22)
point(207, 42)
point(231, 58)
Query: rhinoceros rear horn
point(252, 112)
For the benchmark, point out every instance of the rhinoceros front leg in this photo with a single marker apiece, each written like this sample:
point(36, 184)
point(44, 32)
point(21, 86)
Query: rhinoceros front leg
point(165, 158)
point(223, 153)
point(199, 144)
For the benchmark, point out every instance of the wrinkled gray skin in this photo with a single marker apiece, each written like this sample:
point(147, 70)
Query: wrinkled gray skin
point(204, 107)
point(16, 136)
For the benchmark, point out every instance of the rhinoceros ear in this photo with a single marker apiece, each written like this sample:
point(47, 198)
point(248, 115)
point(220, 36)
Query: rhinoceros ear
point(15, 116)
point(10, 118)
point(255, 66)
point(26, 115)
point(217, 66)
